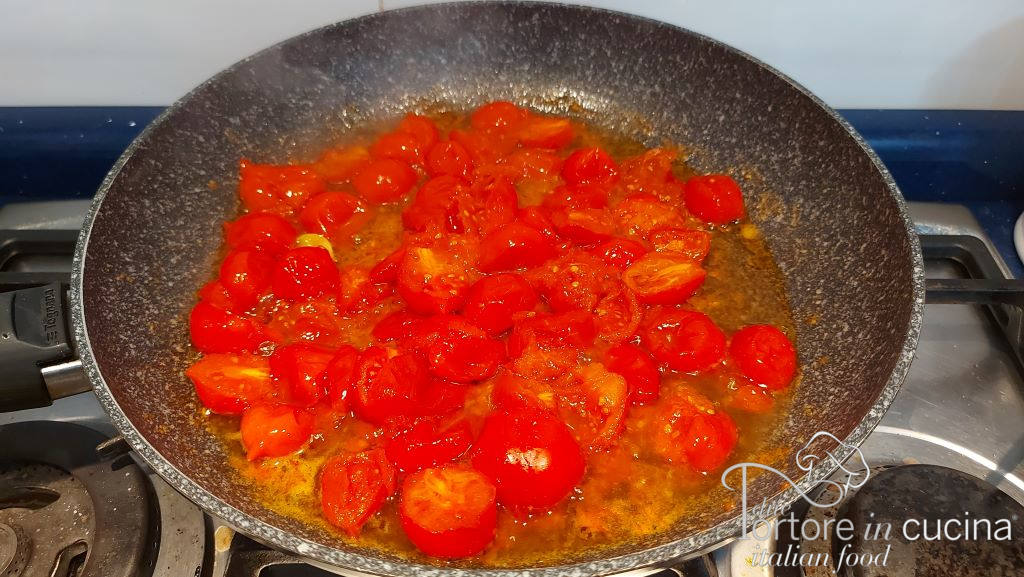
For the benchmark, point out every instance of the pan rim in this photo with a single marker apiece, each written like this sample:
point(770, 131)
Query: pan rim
point(653, 557)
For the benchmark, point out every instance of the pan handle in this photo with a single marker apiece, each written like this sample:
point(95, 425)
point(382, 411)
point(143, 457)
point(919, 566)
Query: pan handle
point(38, 361)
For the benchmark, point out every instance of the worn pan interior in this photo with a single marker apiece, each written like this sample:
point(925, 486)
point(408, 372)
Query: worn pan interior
point(831, 215)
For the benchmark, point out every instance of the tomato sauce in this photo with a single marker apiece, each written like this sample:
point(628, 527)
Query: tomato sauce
point(493, 339)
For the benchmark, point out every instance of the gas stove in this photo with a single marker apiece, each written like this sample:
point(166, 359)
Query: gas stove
point(74, 502)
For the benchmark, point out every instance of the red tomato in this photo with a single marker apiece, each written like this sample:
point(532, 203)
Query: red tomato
point(245, 275)
point(386, 386)
point(752, 399)
point(578, 197)
point(229, 384)
point(765, 355)
point(583, 226)
point(429, 443)
point(492, 300)
point(449, 512)
point(421, 128)
point(340, 376)
point(214, 293)
point(400, 146)
point(435, 206)
point(340, 164)
point(572, 329)
point(274, 430)
point(534, 163)
point(465, 358)
point(574, 281)
point(689, 242)
point(619, 252)
point(451, 158)
point(536, 217)
point(277, 188)
point(354, 486)
point(334, 214)
point(664, 278)
point(714, 198)
point(545, 132)
point(496, 203)
point(590, 166)
point(691, 430)
point(262, 232)
point(305, 272)
point(640, 370)
point(433, 280)
point(512, 391)
point(530, 456)
point(299, 366)
point(397, 326)
point(618, 315)
point(605, 399)
point(485, 149)
point(441, 397)
point(214, 330)
point(386, 271)
point(499, 116)
point(639, 214)
point(514, 246)
point(687, 341)
point(384, 180)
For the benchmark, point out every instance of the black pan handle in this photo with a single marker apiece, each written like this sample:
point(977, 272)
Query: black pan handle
point(974, 291)
point(37, 359)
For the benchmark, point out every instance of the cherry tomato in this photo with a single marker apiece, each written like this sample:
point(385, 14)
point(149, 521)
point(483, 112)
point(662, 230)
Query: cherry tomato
point(263, 232)
point(464, 357)
point(577, 197)
point(386, 271)
point(439, 397)
point(299, 366)
point(384, 180)
point(387, 385)
point(689, 242)
point(334, 214)
point(530, 456)
point(545, 132)
point(618, 315)
point(421, 128)
point(499, 116)
point(664, 278)
point(639, 214)
point(514, 246)
point(245, 275)
point(572, 329)
point(396, 327)
point(451, 158)
point(765, 355)
point(536, 217)
point(752, 399)
point(492, 300)
point(274, 430)
point(639, 369)
point(691, 430)
point(449, 512)
point(277, 188)
point(590, 166)
point(340, 376)
point(428, 443)
point(714, 198)
point(496, 203)
point(214, 330)
point(436, 206)
point(619, 252)
point(512, 391)
point(584, 226)
point(687, 341)
point(229, 384)
point(214, 293)
point(534, 163)
point(433, 280)
point(340, 164)
point(353, 487)
point(305, 272)
point(485, 149)
point(400, 146)
point(605, 396)
point(574, 281)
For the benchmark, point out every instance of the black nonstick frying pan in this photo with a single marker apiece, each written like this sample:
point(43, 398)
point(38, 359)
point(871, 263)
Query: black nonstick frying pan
point(829, 211)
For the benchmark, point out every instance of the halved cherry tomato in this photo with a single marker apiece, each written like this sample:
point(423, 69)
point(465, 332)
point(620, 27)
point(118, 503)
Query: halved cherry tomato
point(530, 456)
point(274, 430)
point(214, 330)
point(421, 128)
point(485, 148)
point(299, 366)
point(451, 158)
point(584, 226)
point(618, 315)
point(387, 385)
point(514, 246)
point(691, 430)
point(214, 293)
point(463, 357)
point(513, 391)
point(340, 376)
point(605, 396)
point(428, 443)
point(639, 214)
point(449, 512)
point(536, 217)
point(384, 180)
point(619, 252)
point(752, 398)
point(545, 132)
point(396, 327)
point(714, 198)
point(534, 163)
point(353, 487)
point(277, 188)
point(386, 271)
point(433, 280)
point(572, 329)
point(400, 146)
point(687, 341)
point(689, 242)
point(305, 272)
point(229, 384)
point(439, 397)
point(245, 275)
point(499, 116)
point(639, 369)
point(496, 203)
point(575, 281)
point(436, 206)
point(664, 278)
point(334, 214)
point(492, 300)
point(590, 166)
point(765, 355)
point(263, 232)
point(340, 164)
point(578, 197)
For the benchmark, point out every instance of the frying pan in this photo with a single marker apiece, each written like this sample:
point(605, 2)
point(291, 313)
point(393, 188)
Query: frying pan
point(829, 211)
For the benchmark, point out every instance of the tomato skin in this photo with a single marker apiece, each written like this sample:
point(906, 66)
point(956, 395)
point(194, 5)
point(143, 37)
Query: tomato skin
point(305, 272)
point(514, 246)
point(428, 443)
point(449, 512)
point(530, 456)
point(545, 132)
point(765, 355)
point(340, 164)
point(421, 128)
point(574, 329)
point(263, 232)
point(619, 252)
point(274, 430)
point(384, 180)
point(333, 213)
point(687, 341)
point(386, 386)
point(714, 198)
point(689, 242)
point(400, 146)
point(492, 300)
point(218, 331)
point(498, 116)
point(692, 431)
point(245, 275)
point(229, 384)
point(451, 158)
point(590, 166)
point(340, 376)
point(639, 369)
point(353, 487)
point(277, 188)
point(299, 366)
point(434, 280)
point(664, 278)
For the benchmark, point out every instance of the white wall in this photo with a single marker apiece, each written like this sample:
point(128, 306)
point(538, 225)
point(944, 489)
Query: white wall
point(858, 54)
